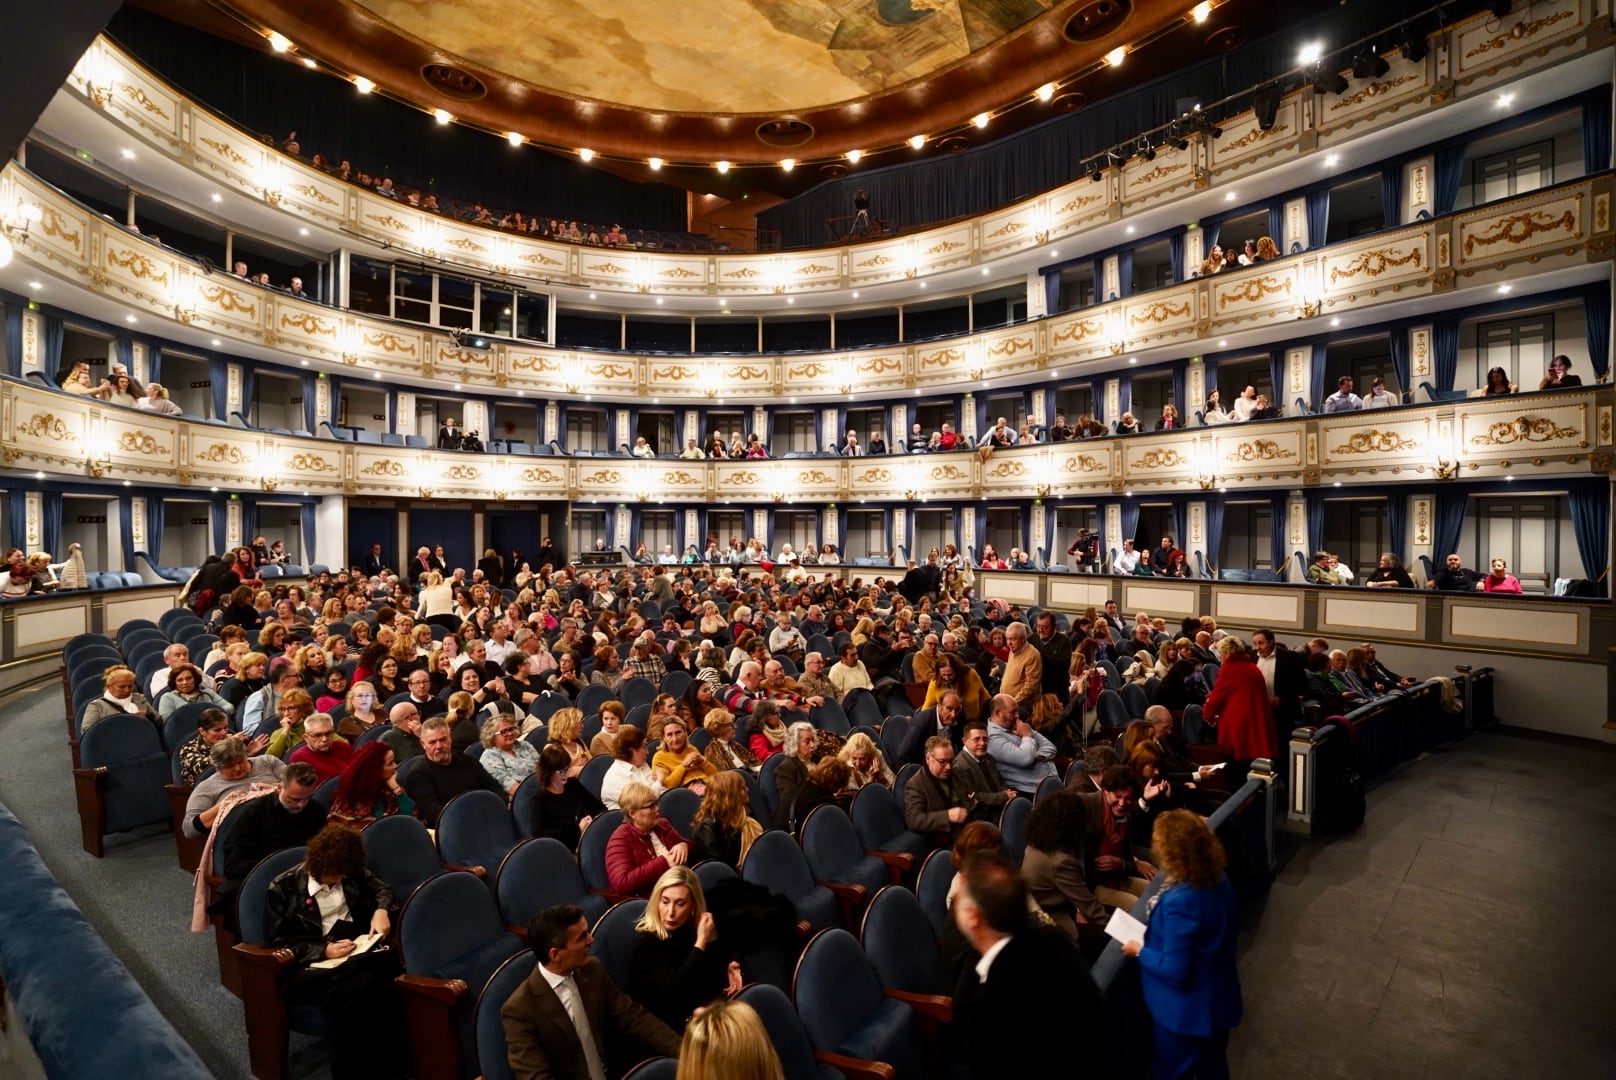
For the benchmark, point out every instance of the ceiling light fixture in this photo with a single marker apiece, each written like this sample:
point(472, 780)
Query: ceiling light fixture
point(1117, 55)
point(1413, 44)
point(916, 141)
point(1265, 103)
point(787, 164)
point(1310, 53)
point(279, 42)
point(1146, 152)
point(1202, 11)
point(722, 167)
point(854, 156)
point(1505, 100)
point(308, 62)
point(981, 119)
point(585, 154)
point(363, 85)
point(217, 197)
point(1326, 81)
point(514, 138)
point(1046, 92)
point(442, 116)
point(128, 154)
point(655, 163)
point(1369, 64)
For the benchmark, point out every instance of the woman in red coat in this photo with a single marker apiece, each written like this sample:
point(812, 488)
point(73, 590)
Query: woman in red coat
point(1239, 705)
point(644, 846)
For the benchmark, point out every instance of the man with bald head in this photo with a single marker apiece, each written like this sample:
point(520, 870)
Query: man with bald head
point(404, 732)
point(1025, 758)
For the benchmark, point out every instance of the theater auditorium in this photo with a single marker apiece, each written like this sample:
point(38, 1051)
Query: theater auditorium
point(757, 539)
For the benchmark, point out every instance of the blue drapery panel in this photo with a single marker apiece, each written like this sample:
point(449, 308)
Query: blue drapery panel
point(309, 384)
point(1445, 352)
point(123, 345)
point(336, 408)
point(507, 531)
point(1447, 522)
point(50, 523)
point(219, 520)
point(249, 522)
point(768, 438)
point(1399, 347)
point(1318, 217)
point(1124, 396)
point(17, 519)
point(219, 383)
point(768, 541)
point(1277, 508)
point(1181, 523)
point(1596, 313)
point(452, 529)
point(1315, 523)
point(1124, 274)
point(1209, 237)
point(1397, 525)
point(1276, 378)
point(1596, 132)
point(1180, 390)
point(1590, 521)
point(1130, 526)
point(1276, 224)
point(1321, 354)
point(14, 341)
point(1448, 170)
point(1214, 533)
point(309, 527)
point(154, 363)
point(1391, 195)
point(1052, 291)
point(126, 532)
point(1175, 256)
point(54, 335)
point(249, 393)
point(154, 528)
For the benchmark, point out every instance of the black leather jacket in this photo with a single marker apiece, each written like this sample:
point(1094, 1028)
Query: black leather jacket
point(294, 916)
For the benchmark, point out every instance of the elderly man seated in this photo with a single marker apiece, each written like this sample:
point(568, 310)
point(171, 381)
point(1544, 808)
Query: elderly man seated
point(323, 748)
point(175, 656)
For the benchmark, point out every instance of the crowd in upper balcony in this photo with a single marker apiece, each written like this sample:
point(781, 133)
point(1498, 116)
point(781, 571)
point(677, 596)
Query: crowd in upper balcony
point(1250, 253)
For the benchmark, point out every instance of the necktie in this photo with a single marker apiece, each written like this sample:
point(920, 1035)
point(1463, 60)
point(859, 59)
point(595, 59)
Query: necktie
point(573, 1002)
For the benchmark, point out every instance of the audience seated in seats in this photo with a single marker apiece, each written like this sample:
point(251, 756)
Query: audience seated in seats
point(826, 782)
point(1389, 574)
point(1187, 960)
point(630, 767)
point(1024, 757)
point(564, 807)
point(643, 846)
point(1454, 577)
point(287, 818)
point(728, 1041)
point(1559, 375)
point(370, 788)
point(1055, 865)
point(814, 685)
point(323, 910)
point(403, 732)
point(792, 773)
point(1127, 559)
point(1343, 400)
point(722, 827)
point(1500, 579)
point(212, 728)
point(445, 774)
point(1498, 384)
point(677, 763)
point(506, 757)
point(118, 696)
point(566, 730)
point(612, 715)
point(322, 748)
point(864, 763)
point(233, 770)
point(1322, 572)
point(723, 752)
point(287, 705)
point(678, 963)
point(560, 1021)
point(1111, 838)
point(1378, 397)
point(935, 805)
point(1029, 998)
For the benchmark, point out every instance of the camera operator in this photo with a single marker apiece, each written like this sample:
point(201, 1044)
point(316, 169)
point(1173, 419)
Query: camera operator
point(470, 443)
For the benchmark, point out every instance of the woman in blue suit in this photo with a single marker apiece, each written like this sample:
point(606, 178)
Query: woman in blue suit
point(1187, 960)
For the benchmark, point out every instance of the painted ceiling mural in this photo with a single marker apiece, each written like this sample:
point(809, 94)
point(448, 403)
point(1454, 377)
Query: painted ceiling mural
point(711, 56)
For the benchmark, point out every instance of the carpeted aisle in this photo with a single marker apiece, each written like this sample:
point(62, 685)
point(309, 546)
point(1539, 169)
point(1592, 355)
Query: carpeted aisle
point(137, 897)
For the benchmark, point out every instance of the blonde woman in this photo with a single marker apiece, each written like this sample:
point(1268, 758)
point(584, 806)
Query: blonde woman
point(864, 763)
point(1142, 670)
point(677, 965)
point(156, 400)
point(728, 1042)
point(677, 763)
point(723, 752)
point(566, 731)
point(723, 827)
point(437, 597)
point(863, 629)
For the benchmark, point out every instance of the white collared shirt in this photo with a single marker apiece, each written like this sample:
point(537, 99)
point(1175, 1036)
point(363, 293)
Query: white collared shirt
point(1266, 665)
point(566, 989)
point(333, 903)
point(986, 963)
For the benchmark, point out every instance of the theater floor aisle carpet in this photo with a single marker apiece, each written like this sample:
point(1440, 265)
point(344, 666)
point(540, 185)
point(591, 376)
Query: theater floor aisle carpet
point(1466, 930)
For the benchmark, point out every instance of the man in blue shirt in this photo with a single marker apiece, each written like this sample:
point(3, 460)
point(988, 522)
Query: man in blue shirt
point(1343, 400)
point(1024, 756)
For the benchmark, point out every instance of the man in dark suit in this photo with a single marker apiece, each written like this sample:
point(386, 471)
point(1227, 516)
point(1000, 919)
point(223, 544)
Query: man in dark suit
point(978, 773)
point(1285, 672)
point(556, 1023)
point(935, 803)
point(1030, 995)
point(942, 720)
point(374, 563)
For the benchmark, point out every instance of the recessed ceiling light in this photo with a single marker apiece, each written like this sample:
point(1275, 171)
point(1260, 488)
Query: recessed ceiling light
point(1338, 483)
point(787, 164)
point(127, 483)
point(1223, 344)
point(217, 197)
point(985, 271)
point(514, 138)
point(1505, 100)
point(36, 285)
point(791, 299)
point(1506, 289)
point(279, 42)
point(1229, 197)
point(1055, 253)
point(916, 141)
point(1335, 322)
point(981, 119)
point(363, 85)
point(1117, 55)
point(442, 116)
point(855, 294)
point(129, 318)
point(376, 375)
point(1310, 52)
point(1333, 160)
point(655, 163)
point(922, 284)
point(128, 154)
point(302, 232)
point(1046, 91)
point(1133, 359)
point(457, 386)
point(854, 156)
point(722, 167)
point(659, 301)
point(308, 62)
point(305, 363)
point(217, 343)
point(521, 393)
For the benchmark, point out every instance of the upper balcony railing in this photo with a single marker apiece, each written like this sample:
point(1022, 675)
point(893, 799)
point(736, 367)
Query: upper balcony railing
point(1566, 229)
point(1464, 61)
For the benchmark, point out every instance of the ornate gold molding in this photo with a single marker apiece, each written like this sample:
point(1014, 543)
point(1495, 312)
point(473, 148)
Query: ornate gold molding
point(1376, 441)
point(1522, 429)
point(1375, 263)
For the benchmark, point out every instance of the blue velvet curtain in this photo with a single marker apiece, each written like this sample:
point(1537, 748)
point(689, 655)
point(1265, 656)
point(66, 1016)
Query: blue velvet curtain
point(1321, 354)
point(1445, 352)
point(1175, 256)
point(1214, 533)
point(219, 383)
point(1447, 522)
point(14, 341)
point(249, 520)
point(1318, 217)
point(559, 435)
point(336, 408)
point(1391, 195)
point(1399, 348)
point(51, 359)
point(1052, 292)
point(126, 533)
point(1596, 132)
point(1124, 274)
point(218, 520)
point(17, 519)
point(1315, 522)
point(1124, 396)
point(1448, 170)
point(1130, 525)
point(1276, 376)
point(154, 362)
point(1596, 314)
point(309, 384)
point(1277, 509)
point(1180, 390)
point(154, 528)
point(1276, 223)
point(1210, 231)
point(1180, 513)
point(1397, 525)
point(249, 394)
point(50, 523)
point(307, 515)
point(123, 345)
point(1590, 521)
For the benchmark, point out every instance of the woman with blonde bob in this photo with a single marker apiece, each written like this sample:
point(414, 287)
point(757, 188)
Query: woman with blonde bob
point(1187, 961)
point(728, 1042)
point(677, 963)
point(722, 827)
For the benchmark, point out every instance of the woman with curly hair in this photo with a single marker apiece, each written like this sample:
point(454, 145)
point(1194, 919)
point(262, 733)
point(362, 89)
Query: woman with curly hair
point(723, 827)
point(1187, 962)
point(370, 787)
point(1053, 865)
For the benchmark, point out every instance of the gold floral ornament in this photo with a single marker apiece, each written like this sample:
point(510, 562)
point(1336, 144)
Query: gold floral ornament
point(139, 442)
point(309, 463)
point(1376, 441)
point(1536, 429)
point(383, 467)
point(1259, 450)
point(1375, 263)
point(223, 454)
point(1082, 463)
point(1254, 290)
point(1168, 458)
point(138, 265)
point(46, 426)
point(1159, 312)
point(1519, 228)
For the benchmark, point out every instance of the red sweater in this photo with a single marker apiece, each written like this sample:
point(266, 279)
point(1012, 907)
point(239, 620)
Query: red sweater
point(632, 864)
point(1239, 703)
point(334, 762)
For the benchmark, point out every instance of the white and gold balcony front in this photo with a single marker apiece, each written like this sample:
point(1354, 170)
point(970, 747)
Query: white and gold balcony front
point(1548, 239)
point(1550, 437)
point(1556, 48)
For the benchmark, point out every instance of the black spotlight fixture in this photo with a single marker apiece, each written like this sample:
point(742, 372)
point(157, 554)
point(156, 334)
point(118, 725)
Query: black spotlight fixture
point(1369, 64)
point(1146, 151)
point(1502, 8)
point(1413, 44)
point(1095, 170)
point(1265, 103)
point(1328, 81)
point(1176, 132)
point(1201, 123)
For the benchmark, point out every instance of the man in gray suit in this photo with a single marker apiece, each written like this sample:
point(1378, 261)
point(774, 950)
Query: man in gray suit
point(556, 1022)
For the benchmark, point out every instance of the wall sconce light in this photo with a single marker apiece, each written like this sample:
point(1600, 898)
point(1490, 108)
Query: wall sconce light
point(1117, 336)
point(640, 480)
point(1206, 472)
point(271, 482)
point(17, 221)
point(844, 377)
point(97, 74)
point(349, 344)
point(186, 301)
point(572, 375)
point(273, 180)
point(1312, 290)
point(709, 378)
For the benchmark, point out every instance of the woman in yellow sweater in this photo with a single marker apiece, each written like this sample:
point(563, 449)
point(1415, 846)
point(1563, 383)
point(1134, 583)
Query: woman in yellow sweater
point(678, 764)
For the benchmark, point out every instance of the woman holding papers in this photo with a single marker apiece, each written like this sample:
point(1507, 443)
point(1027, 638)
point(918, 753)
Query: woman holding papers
point(1187, 957)
point(331, 912)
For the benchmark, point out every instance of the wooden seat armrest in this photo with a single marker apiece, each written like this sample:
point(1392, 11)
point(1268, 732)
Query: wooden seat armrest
point(898, 863)
point(267, 959)
point(443, 991)
point(480, 871)
point(805, 929)
point(847, 894)
point(935, 1006)
point(856, 1068)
